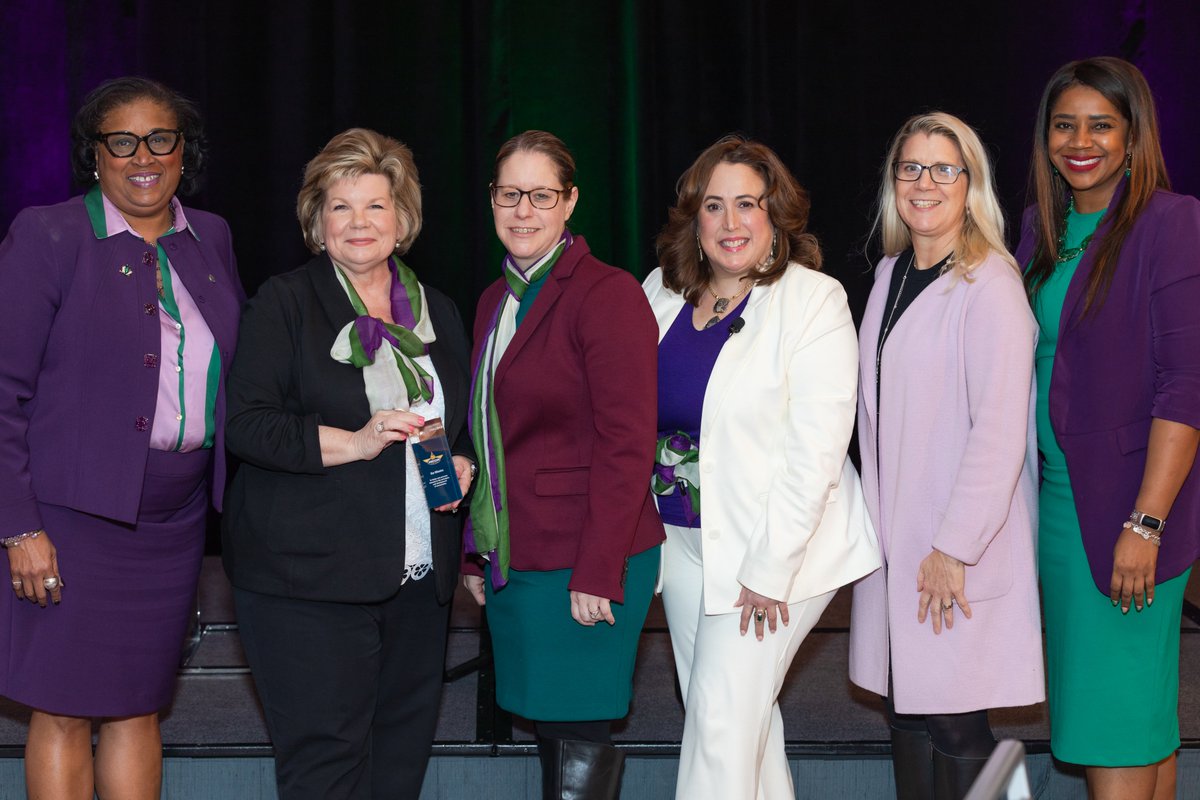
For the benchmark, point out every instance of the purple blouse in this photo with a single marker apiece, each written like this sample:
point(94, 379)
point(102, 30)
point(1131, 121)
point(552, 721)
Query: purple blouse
point(685, 361)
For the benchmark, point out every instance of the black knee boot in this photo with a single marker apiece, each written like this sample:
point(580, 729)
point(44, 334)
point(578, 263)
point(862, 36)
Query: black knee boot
point(578, 770)
point(912, 764)
point(953, 775)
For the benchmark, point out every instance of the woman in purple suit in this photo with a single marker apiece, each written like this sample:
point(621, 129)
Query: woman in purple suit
point(118, 313)
point(1112, 264)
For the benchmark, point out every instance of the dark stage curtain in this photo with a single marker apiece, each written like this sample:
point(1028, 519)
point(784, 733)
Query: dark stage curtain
point(637, 89)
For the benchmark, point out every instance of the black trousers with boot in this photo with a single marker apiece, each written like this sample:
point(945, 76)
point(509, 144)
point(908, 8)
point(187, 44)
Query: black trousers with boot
point(579, 761)
point(938, 756)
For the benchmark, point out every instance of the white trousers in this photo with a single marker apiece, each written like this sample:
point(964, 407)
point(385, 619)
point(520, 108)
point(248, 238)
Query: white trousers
point(733, 745)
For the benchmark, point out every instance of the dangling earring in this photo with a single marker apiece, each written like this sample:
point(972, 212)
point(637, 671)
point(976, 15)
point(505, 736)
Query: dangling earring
point(182, 169)
point(322, 246)
point(96, 175)
point(774, 245)
point(1128, 163)
point(699, 249)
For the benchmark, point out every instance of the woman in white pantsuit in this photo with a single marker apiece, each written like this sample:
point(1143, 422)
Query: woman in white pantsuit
point(757, 382)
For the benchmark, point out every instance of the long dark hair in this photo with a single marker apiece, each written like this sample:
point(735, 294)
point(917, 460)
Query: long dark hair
point(118, 92)
point(1123, 85)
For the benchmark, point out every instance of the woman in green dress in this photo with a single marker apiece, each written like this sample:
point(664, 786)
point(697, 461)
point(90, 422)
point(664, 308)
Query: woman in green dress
point(1112, 262)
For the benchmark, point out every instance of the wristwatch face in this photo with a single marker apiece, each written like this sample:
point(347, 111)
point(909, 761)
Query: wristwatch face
point(1148, 521)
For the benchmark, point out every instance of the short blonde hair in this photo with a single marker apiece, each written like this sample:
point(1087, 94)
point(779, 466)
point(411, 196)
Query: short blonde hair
point(353, 153)
point(983, 223)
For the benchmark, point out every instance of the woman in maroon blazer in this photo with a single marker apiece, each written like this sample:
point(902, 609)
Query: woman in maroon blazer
point(564, 424)
point(118, 313)
point(1112, 262)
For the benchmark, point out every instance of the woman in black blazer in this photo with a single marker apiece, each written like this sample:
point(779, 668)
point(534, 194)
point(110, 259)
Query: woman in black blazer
point(342, 574)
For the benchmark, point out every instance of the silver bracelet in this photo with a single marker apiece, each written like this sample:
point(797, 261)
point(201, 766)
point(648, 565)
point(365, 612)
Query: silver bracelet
point(1148, 535)
point(1155, 524)
point(13, 541)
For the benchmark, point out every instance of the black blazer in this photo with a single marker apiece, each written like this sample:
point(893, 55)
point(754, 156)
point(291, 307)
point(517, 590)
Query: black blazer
point(293, 527)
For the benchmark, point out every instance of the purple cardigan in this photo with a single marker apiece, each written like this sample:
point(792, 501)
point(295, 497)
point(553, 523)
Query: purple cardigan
point(79, 367)
point(1135, 358)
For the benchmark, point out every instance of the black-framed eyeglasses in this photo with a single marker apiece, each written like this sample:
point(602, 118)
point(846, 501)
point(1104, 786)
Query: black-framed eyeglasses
point(939, 173)
point(510, 196)
point(123, 144)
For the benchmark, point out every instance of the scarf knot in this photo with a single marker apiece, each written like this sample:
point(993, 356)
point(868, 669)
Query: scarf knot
point(360, 342)
point(677, 471)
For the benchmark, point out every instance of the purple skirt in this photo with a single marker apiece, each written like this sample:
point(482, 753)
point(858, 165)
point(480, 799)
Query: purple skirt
point(112, 647)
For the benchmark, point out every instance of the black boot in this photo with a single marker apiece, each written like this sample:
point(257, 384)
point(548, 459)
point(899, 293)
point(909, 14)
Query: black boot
point(953, 775)
point(578, 770)
point(912, 764)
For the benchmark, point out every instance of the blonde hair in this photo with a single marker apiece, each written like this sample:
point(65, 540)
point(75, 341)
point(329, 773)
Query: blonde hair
point(351, 154)
point(983, 223)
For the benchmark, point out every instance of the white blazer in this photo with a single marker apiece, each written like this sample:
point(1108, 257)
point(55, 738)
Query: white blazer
point(782, 509)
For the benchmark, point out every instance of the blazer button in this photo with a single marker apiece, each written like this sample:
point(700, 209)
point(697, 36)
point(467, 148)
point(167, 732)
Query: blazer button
point(148, 257)
point(151, 309)
point(714, 534)
point(142, 423)
point(707, 468)
point(150, 360)
point(199, 298)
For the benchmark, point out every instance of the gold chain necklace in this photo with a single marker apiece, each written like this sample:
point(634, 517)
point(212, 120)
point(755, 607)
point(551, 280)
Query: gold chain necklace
point(721, 304)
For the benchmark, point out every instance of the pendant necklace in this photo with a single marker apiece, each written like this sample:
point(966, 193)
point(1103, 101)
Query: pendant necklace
point(721, 304)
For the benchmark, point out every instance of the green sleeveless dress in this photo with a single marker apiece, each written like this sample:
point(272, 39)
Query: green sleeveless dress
point(1113, 678)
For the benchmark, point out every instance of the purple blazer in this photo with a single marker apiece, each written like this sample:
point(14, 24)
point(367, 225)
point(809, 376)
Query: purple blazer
point(1135, 358)
point(79, 367)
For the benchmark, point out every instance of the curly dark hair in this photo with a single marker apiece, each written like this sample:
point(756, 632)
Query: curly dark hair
point(786, 203)
point(117, 92)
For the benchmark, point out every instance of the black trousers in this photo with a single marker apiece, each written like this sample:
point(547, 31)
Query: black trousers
point(350, 692)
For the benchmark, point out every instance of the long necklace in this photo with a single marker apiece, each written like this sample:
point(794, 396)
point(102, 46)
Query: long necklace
point(1065, 253)
point(721, 304)
point(887, 328)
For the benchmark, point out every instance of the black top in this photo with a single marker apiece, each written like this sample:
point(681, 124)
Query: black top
point(916, 282)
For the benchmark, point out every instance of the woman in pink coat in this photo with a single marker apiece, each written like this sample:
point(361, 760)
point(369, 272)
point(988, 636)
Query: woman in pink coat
point(949, 626)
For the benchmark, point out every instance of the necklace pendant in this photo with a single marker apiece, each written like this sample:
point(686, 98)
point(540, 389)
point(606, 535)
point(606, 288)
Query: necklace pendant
point(712, 322)
point(720, 305)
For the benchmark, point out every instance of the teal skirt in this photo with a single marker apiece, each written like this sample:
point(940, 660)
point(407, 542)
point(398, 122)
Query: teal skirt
point(549, 668)
point(1113, 678)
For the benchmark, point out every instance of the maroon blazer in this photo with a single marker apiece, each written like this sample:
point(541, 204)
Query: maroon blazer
point(1135, 358)
point(577, 396)
point(79, 364)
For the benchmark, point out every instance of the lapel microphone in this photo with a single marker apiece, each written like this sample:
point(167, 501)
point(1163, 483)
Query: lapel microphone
point(736, 326)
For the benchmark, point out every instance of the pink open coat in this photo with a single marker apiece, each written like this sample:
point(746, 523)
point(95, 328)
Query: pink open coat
point(955, 468)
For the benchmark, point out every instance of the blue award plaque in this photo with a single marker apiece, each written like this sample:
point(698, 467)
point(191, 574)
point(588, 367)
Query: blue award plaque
point(435, 463)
